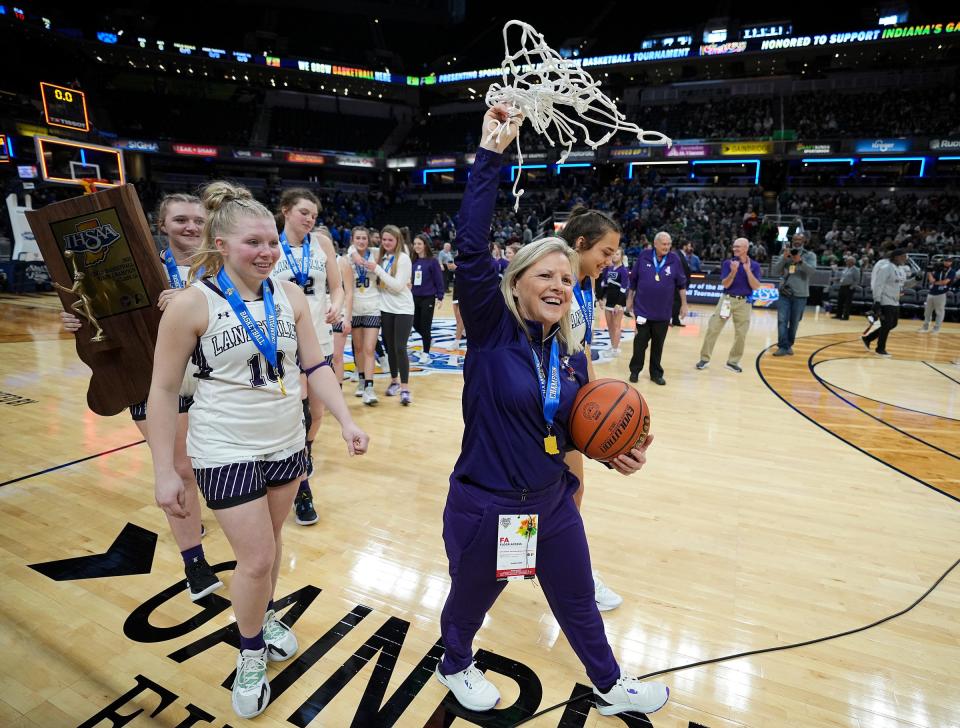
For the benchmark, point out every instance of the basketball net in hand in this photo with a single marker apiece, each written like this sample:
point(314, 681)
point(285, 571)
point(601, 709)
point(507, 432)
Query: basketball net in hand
point(557, 96)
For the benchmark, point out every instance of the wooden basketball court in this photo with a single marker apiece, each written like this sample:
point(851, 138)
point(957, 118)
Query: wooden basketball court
point(808, 496)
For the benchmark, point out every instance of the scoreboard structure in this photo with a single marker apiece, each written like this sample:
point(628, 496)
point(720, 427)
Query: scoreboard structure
point(64, 107)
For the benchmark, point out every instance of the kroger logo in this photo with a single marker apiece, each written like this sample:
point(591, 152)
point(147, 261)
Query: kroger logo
point(91, 237)
point(882, 145)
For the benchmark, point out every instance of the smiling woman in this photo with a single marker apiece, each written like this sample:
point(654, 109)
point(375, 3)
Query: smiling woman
point(538, 286)
point(247, 334)
point(520, 379)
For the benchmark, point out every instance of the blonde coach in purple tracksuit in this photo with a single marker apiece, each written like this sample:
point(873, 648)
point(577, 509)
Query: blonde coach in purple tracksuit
point(521, 375)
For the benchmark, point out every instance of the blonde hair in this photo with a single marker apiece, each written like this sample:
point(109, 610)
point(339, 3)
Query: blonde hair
point(225, 203)
point(164, 207)
point(525, 257)
point(400, 248)
point(171, 198)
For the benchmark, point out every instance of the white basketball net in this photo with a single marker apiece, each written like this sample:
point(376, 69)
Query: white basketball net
point(543, 82)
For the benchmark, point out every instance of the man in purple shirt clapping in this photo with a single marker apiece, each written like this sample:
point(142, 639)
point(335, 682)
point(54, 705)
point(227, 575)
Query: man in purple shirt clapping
point(656, 274)
point(740, 278)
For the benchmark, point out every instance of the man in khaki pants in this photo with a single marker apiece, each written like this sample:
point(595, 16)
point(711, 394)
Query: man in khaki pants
point(741, 277)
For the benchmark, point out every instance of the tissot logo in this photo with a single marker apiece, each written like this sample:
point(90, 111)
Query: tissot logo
point(91, 237)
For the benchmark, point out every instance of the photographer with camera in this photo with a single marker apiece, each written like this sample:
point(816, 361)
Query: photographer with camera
point(887, 281)
point(796, 266)
point(940, 279)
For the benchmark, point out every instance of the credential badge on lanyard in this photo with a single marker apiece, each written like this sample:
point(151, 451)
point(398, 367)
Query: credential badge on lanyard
point(517, 546)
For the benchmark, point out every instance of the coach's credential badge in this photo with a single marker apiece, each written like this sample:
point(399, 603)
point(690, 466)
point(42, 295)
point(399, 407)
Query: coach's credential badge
point(725, 308)
point(418, 277)
point(517, 547)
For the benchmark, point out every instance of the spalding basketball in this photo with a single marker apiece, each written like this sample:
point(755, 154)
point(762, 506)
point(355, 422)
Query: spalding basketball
point(609, 418)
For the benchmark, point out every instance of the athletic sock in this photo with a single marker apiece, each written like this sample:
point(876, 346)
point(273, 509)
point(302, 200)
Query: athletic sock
point(270, 606)
point(367, 382)
point(304, 488)
point(253, 643)
point(192, 555)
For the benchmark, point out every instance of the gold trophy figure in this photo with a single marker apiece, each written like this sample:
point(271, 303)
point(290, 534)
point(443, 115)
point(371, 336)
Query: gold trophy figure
point(82, 305)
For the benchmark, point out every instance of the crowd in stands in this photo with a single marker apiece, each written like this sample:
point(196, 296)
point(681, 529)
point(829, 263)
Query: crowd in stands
point(197, 119)
point(733, 118)
point(839, 223)
point(820, 115)
point(865, 225)
point(883, 114)
point(457, 133)
point(302, 129)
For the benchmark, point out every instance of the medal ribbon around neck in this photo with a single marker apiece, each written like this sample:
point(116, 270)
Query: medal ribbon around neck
point(550, 393)
point(585, 301)
point(659, 266)
point(300, 274)
point(361, 270)
point(172, 271)
point(267, 345)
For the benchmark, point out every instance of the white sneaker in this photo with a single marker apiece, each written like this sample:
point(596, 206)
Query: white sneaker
point(936, 329)
point(606, 597)
point(424, 359)
point(631, 695)
point(369, 396)
point(358, 392)
point(354, 376)
point(281, 642)
point(471, 688)
point(923, 329)
point(251, 691)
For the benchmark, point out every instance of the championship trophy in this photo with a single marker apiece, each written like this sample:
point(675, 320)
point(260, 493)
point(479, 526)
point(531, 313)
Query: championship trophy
point(104, 264)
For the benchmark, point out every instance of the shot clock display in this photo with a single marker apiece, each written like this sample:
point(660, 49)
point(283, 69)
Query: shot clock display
point(64, 107)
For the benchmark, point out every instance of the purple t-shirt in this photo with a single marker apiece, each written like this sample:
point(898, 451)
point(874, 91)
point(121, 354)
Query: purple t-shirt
point(653, 299)
point(740, 285)
point(619, 277)
point(431, 278)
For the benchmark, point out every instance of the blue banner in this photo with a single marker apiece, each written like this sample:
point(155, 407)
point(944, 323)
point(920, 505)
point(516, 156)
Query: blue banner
point(881, 146)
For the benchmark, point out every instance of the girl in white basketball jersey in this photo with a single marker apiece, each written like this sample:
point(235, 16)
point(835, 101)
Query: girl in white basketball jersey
point(366, 313)
point(307, 261)
point(180, 217)
point(596, 237)
point(246, 437)
point(344, 326)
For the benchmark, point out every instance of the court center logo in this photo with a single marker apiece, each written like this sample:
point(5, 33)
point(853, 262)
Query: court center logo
point(93, 238)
